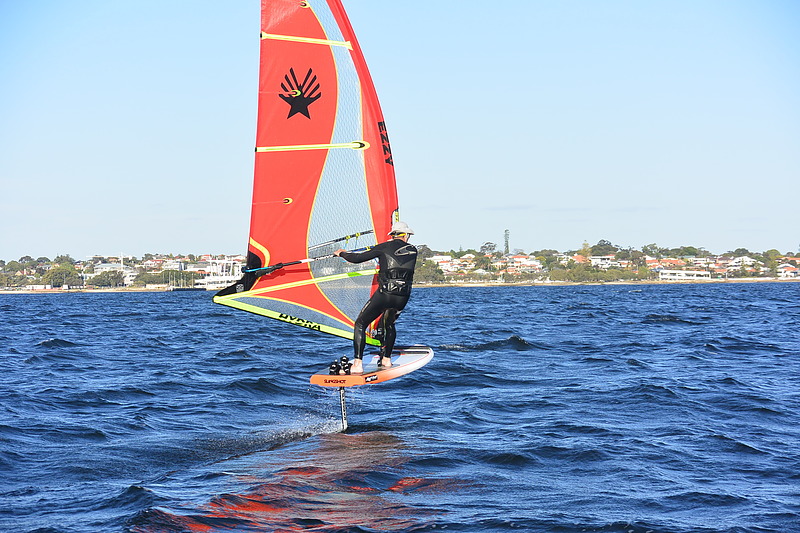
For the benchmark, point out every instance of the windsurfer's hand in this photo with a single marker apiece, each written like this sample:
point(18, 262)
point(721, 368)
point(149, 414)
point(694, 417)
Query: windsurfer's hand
point(338, 252)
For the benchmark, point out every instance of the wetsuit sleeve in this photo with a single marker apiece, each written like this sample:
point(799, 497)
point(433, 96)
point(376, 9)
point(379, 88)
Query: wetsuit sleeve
point(360, 257)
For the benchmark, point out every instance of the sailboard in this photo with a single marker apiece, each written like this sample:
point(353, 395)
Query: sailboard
point(405, 359)
point(323, 176)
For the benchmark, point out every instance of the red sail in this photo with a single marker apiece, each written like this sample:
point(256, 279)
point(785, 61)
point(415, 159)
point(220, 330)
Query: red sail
point(324, 175)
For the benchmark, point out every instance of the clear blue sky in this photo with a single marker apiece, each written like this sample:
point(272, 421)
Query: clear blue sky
point(129, 126)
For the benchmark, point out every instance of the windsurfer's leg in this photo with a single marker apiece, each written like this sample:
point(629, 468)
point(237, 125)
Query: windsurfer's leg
point(389, 335)
point(371, 310)
point(390, 316)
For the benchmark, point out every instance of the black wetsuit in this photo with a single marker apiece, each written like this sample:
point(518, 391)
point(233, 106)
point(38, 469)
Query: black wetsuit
point(397, 260)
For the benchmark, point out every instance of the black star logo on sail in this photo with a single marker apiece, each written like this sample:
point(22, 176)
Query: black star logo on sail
point(299, 95)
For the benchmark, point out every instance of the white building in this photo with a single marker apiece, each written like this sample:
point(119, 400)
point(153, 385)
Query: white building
point(222, 273)
point(683, 275)
point(603, 261)
point(526, 263)
point(128, 273)
point(153, 264)
point(788, 271)
point(702, 261)
point(743, 261)
point(446, 263)
point(173, 264)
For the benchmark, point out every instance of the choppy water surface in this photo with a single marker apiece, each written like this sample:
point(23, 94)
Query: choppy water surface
point(653, 408)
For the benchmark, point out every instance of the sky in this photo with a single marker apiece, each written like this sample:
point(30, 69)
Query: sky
point(128, 127)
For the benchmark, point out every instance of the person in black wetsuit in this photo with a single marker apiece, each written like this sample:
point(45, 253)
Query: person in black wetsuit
point(396, 259)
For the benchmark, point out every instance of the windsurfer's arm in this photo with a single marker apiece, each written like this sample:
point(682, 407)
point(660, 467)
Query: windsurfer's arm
point(358, 257)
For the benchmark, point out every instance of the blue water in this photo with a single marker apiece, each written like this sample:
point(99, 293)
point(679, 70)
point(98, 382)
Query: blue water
point(652, 408)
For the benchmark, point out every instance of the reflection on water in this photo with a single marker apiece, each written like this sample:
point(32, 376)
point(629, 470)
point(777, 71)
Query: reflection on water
point(341, 482)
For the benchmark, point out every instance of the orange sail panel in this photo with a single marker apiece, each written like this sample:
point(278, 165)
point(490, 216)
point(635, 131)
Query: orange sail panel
point(324, 175)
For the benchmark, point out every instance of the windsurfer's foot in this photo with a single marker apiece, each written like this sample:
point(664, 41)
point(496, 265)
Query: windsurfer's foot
point(385, 362)
point(357, 367)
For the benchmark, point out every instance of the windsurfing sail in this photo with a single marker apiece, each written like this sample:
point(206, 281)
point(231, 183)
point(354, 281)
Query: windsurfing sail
point(324, 175)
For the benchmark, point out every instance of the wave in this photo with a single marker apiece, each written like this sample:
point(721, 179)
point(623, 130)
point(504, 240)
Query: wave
point(107, 396)
point(162, 521)
point(733, 445)
point(736, 345)
point(514, 342)
point(508, 459)
point(74, 432)
point(221, 449)
point(258, 385)
point(234, 354)
point(571, 455)
point(598, 360)
point(668, 319)
point(554, 524)
point(707, 499)
point(133, 497)
point(648, 392)
point(56, 343)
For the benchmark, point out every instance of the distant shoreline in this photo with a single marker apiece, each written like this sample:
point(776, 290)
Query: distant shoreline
point(439, 285)
point(625, 282)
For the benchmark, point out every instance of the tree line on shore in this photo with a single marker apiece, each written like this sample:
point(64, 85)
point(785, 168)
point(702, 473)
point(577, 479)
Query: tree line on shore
point(558, 266)
point(64, 270)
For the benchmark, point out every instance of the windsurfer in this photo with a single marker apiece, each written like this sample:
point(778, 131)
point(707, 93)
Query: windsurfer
point(396, 260)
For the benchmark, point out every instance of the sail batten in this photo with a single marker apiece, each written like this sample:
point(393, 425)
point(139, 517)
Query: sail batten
point(334, 277)
point(308, 40)
point(355, 145)
point(321, 172)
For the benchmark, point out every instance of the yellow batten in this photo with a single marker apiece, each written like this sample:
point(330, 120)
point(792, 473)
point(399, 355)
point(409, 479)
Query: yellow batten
point(355, 145)
point(309, 40)
point(312, 281)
